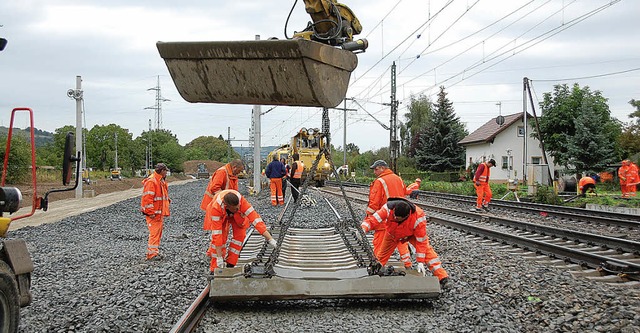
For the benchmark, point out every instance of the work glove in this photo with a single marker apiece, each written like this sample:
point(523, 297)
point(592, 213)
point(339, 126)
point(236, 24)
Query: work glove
point(273, 243)
point(220, 262)
point(477, 183)
point(358, 236)
point(421, 269)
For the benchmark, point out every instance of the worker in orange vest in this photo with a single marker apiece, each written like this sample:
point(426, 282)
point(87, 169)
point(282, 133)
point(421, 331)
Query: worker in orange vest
point(413, 187)
point(154, 204)
point(275, 171)
point(622, 176)
point(230, 209)
point(405, 223)
point(587, 184)
point(225, 178)
point(386, 185)
point(296, 175)
point(481, 184)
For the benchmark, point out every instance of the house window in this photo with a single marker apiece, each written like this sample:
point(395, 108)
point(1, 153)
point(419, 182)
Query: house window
point(505, 162)
point(520, 130)
point(536, 160)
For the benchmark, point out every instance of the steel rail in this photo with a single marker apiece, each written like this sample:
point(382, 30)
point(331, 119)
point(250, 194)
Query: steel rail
point(190, 319)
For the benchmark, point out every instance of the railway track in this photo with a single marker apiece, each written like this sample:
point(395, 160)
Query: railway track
point(321, 263)
point(608, 255)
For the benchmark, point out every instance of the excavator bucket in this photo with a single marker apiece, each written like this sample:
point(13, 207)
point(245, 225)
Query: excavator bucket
point(295, 72)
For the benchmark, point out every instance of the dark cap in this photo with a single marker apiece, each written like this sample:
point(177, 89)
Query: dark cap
point(492, 161)
point(161, 167)
point(379, 163)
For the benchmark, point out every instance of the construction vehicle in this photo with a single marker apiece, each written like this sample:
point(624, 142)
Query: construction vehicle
point(116, 174)
point(307, 70)
point(203, 173)
point(311, 69)
point(15, 262)
point(308, 143)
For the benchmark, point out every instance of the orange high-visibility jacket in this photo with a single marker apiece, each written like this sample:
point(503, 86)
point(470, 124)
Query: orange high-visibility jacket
point(414, 226)
point(412, 187)
point(217, 217)
point(584, 181)
point(222, 179)
point(155, 196)
point(482, 174)
point(622, 174)
point(387, 185)
point(297, 169)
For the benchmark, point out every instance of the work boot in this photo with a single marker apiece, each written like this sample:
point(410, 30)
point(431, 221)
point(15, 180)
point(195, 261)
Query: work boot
point(444, 282)
point(476, 209)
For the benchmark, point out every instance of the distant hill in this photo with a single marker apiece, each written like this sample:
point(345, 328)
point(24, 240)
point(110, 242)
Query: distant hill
point(41, 137)
point(264, 151)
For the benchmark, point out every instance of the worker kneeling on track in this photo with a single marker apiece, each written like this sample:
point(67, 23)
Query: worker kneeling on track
point(229, 209)
point(405, 222)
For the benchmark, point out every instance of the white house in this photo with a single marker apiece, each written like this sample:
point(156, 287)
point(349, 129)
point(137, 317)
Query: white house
point(507, 144)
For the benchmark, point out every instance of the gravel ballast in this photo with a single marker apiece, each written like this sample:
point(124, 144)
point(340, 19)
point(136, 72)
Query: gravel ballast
point(91, 276)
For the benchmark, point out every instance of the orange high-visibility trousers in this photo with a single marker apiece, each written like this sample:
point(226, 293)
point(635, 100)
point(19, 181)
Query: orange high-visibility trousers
point(483, 191)
point(403, 248)
point(155, 234)
point(432, 261)
point(235, 246)
point(275, 185)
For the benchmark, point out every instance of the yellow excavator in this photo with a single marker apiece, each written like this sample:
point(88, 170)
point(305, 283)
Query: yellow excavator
point(311, 69)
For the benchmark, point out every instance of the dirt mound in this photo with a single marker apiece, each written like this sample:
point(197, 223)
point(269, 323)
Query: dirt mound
point(191, 167)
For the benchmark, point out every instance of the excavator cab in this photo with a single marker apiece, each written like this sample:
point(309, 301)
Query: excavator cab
point(311, 69)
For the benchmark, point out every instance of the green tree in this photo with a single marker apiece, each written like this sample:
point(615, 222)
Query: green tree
point(560, 112)
point(590, 149)
point(439, 150)
point(52, 152)
point(166, 149)
point(630, 137)
point(416, 120)
point(101, 147)
point(216, 149)
point(19, 159)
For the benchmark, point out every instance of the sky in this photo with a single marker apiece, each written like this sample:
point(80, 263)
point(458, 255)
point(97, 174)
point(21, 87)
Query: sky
point(480, 51)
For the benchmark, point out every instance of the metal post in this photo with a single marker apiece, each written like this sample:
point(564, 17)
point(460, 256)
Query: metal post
point(256, 145)
point(524, 116)
point(394, 147)
point(78, 98)
point(344, 138)
point(116, 151)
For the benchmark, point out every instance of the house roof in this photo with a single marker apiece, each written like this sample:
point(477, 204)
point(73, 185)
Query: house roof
point(487, 132)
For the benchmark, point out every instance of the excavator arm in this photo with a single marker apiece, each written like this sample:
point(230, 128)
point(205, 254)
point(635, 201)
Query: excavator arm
point(333, 23)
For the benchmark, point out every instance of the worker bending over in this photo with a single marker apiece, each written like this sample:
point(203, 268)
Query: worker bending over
point(413, 187)
point(386, 185)
point(225, 178)
point(587, 184)
point(405, 223)
point(230, 209)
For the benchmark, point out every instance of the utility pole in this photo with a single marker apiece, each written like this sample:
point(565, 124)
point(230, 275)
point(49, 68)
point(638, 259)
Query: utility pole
point(116, 135)
point(77, 95)
point(256, 145)
point(149, 146)
point(158, 106)
point(394, 147)
point(229, 142)
point(524, 118)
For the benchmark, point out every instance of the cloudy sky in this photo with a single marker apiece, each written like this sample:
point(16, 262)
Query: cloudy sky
point(479, 50)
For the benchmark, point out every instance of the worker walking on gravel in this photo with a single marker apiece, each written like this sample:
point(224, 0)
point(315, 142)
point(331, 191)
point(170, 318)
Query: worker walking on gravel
point(296, 176)
point(155, 206)
point(275, 171)
point(481, 184)
point(230, 209)
point(413, 187)
point(405, 223)
point(385, 186)
point(225, 178)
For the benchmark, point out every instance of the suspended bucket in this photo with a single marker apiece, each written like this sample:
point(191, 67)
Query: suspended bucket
point(293, 72)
